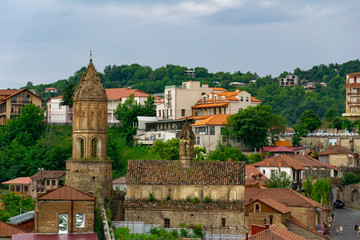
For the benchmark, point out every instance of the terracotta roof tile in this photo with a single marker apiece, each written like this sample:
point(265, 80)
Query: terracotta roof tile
point(48, 174)
point(273, 204)
point(251, 175)
point(218, 119)
point(299, 223)
point(220, 89)
point(7, 230)
point(121, 180)
point(118, 93)
point(19, 91)
point(66, 193)
point(285, 196)
point(5, 92)
point(255, 100)
point(19, 180)
point(296, 162)
point(172, 172)
point(337, 149)
point(275, 232)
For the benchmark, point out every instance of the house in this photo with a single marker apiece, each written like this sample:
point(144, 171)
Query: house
point(253, 175)
point(120, 184)
point(20, 185)
point(171, 192)
point(51, 90)
point(275, 232)
point(297, 167)
point(43, 181)
point(7, 230)
point(11, 102)
point(306, 210)
point(220, 101)
point(67, 211)
point(352, 96)
point(24, 221)
point(178, 100)
point(190, 73)
point(289, 81)
point(339, 156)
point(270, 151)
point(59, 114)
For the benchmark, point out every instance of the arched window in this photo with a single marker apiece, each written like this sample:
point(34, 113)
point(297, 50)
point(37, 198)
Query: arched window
point(79, 148)
point(232, 195)
point(355, 195)
point(257, 208)
point(82, 142)
point(94, 144)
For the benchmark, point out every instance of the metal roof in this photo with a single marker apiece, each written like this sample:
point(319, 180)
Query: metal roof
point(21, 217)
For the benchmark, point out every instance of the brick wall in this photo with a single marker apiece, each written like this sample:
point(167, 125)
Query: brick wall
point(47, 215)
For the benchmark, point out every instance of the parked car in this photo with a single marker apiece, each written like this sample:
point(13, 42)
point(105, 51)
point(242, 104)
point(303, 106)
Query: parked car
point(339, 204)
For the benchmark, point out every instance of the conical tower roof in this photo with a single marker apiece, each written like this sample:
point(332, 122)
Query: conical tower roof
point(90, 87)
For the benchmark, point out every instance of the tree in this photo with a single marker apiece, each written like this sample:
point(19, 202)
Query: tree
point(330, 115)
point(149, 107)
point(279, 179)
point(13, 204)
point(168, 150)
point(310, 119)
point(68, 94)
point(224, 153)
point(252, 124)
point(277, 126)
point(307, 187)
point(321, 188)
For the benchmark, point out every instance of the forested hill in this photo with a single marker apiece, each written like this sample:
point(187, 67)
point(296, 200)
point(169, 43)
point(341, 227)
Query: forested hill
point(288, 102)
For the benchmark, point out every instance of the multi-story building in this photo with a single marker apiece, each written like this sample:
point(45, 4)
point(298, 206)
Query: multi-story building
point(288, 81)
point(223, 102)
point(352, 96)
point(178, 100)
point(59, 114)
point(11, 102)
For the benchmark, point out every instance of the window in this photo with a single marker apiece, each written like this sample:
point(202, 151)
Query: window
point(63, 223)
point(240, 109)
point(80, 220)
point(183, 112)
point(212, 130)
point(263, 171)
point(219, 110)
point(197, 140)
point(223, 222)
point(351, 80)
point(26, 188)
point(247, 99)
point(357, 80)
point(257, 208)
point(159, 113)
point(224, 110)
point(166, 223)
point(53, 182)
point(18, 188)
point(47, 182)
point(202, 94)
point(242, 99)
point(214, 111)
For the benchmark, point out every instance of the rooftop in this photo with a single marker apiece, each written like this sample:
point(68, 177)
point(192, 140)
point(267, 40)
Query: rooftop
point(218, 119)
point(21, 217)
point(121, 180)
point(66, 193)
point(275, 232)
point(337, 149)
point(46, 174)
point(273, 204)
point(119, 93)
point(19, 180)
point(7, 230)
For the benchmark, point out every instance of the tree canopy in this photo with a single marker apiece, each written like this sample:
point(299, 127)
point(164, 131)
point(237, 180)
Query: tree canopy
point(279, 179)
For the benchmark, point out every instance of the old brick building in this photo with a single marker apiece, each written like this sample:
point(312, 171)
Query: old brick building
point(193, 192)
point(89, 171)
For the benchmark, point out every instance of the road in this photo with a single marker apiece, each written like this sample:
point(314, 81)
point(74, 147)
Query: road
point(346, 217)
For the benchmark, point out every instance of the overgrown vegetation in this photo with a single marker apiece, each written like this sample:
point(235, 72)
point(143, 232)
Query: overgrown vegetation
point(318, 190)
point(12, 204)
point(350, 178)
point(279, 179)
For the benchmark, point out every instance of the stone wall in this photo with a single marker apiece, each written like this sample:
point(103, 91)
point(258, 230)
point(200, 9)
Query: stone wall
point(304, 232)
point(305, 214)
point(318, 173)
point(351, 195)
point(182, 192)
point(90, 176)
point(258, 219)
point(340, 160)
point(47, 215)
point(190, 214)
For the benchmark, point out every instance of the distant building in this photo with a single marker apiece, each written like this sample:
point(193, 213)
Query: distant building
point(43, 181)
point(11, 102)
point(190, 73)
point(309, 85)
point(237, 84)
point(20, 185)
point(352, 96)
point(339, 156)
point(120, 184)
point(288, 81)
point(51, 90)
point(282, 150)
point(253, 175)
point(56, 113)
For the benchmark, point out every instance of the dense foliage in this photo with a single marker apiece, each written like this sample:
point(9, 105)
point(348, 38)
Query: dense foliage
point(13, 204)
point(279, 179)
point(287, 102)
point(318, 190)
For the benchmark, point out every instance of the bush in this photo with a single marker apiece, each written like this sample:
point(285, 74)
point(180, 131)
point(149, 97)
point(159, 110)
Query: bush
point(168, 198)
point(350, 178)
point(195, 200)
point(207, 199)
point(151, 197)
point(188, 198)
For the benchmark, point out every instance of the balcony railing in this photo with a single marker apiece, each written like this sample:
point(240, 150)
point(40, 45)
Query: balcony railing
point(15, 113)
point(21, 102)
point(353, 102)
point(353, 93)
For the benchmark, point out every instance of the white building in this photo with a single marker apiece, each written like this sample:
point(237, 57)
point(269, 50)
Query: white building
point(289, 81)
point(59, 114)
point(178, 100)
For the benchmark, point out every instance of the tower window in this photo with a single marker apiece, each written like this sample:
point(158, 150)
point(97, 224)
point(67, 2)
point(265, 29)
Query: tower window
point(166, 223)
point(223, 222)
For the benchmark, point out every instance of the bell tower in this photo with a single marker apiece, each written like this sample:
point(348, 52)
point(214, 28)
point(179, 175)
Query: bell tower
point(186, 147)
point(89, 171)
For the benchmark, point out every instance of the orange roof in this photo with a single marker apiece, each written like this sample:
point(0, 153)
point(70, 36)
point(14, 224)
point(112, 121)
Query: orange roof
point(66, 193)
point(251, 175)
point(220, 89)
point(58, 97)
point(296, 162)
point(208, 105)
point(19, 91)
point(275, 232)
point(286, 196)
point(299, 223)
point(273, 204)
point(19, 180)
point(255, 100)
point(121, 180)
point(218, 119)
point(337, 149)
point(199, 117)
point(5, 92)
point(7, 230)
point(118, 93)
point(50, 88)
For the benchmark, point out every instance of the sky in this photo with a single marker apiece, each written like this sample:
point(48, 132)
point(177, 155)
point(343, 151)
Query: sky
point(43, 41)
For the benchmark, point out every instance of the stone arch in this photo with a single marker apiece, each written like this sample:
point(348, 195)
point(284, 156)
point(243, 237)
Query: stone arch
point(157, 194)
point(232, 195)
point(257, 208)
point(355, 195)
point(196, 194)
point(137, 193)
point(95, 148)
point(80, 147)
point(213, 194)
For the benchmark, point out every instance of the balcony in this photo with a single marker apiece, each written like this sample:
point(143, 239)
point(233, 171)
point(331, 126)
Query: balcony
point(13, 113)
point(23, 102)
point(353, 103)
point(353, 93)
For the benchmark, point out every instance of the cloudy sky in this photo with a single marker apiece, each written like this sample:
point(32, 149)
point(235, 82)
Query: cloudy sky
point(43, 41)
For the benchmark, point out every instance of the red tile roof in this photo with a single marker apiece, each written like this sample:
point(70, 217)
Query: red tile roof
point(19, 91)
point(252, 175)
point(47, 174)
point(285, 196)
point(7, 230)
point(275, 232)
point(121, 180)
point(255, 100)
point(66, 193)
point(337, 149)
point(218, 119)
point(172, 172)
point(296, 162)
point(355, 74)
point(119, 93)
point(4, 92)
point(19, 180)
point(281, 149)
point(273, 204)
